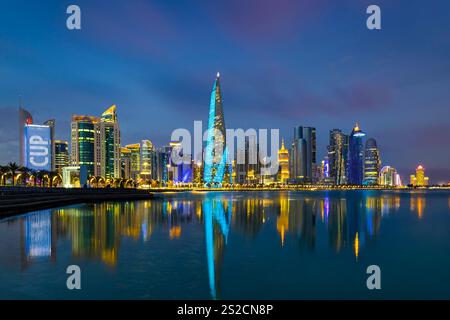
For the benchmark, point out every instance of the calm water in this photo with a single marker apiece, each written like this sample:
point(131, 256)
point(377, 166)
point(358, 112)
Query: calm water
point(273, 245)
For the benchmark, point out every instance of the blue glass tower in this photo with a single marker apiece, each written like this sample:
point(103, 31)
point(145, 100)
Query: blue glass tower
point(216, 150)
point(356, 156)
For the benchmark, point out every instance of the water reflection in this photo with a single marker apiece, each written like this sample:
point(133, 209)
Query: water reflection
point(96, 231)
point(417, 204)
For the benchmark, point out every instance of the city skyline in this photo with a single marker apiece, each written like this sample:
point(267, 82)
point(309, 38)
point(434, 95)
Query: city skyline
point(391, 84)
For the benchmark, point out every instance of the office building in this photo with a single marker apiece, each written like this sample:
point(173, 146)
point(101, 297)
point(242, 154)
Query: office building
point(302, 157)
point(61, 155)
point(338, 157)
point(372, 163)
point(216, 151)
point(356, 156)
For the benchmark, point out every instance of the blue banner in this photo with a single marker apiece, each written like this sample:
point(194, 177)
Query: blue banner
point(38, 150)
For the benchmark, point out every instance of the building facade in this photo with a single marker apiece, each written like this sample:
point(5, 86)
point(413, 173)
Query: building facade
point(338, 157)
point(356, 156)
point(61, 155)
point(216, 152)
point(389, 177)
point(372, 163)
point(109, 143)
point(283, 164)
point(419, 179)
point(85, 147)
point(302, 157)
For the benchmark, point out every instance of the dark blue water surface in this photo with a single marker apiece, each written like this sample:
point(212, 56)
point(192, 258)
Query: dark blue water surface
point(248, 245)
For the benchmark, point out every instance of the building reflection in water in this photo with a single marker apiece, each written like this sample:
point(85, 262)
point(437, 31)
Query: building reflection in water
point(96, 231)
point(217, 219)
point(417, 204)
point(37, 237)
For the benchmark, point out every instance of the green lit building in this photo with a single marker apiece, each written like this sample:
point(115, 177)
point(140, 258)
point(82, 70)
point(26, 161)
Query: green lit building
point(84, 147)
point(61, 155)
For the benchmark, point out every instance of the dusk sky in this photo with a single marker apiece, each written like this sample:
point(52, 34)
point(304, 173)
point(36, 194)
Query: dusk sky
point(283, 63)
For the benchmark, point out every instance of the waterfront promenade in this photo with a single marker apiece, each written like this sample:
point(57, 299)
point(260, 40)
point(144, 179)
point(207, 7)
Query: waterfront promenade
point(15, 200)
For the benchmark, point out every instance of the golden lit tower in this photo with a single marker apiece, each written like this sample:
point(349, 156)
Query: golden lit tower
point(419, 180)
point(283, 162)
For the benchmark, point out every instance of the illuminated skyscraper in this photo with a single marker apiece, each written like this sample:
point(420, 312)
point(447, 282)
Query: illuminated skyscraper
point(356, 156)
point(216, 151)
point(24, 119)
point(51, 124)
point(146, 160)
point(61, 155)
point(84, 151)
point(389, 177)
point(303, 155)
point(135, 159)
point(109, 136)
point(337, 157)
point(372, 163)
point(125, 163)
point(248, 165)
point(283, 162)
point(419, 180)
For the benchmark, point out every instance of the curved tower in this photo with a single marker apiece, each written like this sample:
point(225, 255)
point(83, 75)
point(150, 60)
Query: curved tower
point(216, 150)
point(372, 163)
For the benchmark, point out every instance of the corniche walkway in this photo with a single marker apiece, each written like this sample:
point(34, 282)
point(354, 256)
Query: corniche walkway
point(17, 200)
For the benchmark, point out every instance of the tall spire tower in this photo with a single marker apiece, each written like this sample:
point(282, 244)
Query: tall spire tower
point(216, 150)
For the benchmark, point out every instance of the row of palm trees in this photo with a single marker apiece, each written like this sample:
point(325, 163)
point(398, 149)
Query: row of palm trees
point(15, 172)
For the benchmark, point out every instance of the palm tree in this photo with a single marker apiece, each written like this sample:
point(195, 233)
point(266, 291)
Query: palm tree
point(26, 172)
point(13, 168)
point(3, 171)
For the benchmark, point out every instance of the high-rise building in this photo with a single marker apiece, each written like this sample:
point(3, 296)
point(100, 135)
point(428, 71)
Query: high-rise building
point(85, 145)
point(125, 163)
point(135, 159)
point(419, 180)
point(356, 156)
point(61, 155)
point(216, 151)
point(95, 144)
point(283, 163)
point(248, 166)
point(338, 156)
point(146, 160)
point(109, 136)
point(389, 177)
point(372, 163)
point(24, 119)
point(302, 158)
point(162, 164)
point(51, 124)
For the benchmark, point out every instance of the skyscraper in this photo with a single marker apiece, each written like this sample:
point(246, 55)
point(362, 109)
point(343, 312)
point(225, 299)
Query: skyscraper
point(389, 177)
point(51, 124)
point(303, 155)
point(283, 162)
point(135, 159)
point(24, 119)
point(125, 163)
point(109, 136)
point(356, 156)
point(372, 163)
point(61, 155)
point(338, 156)
point(248, 166)
point(216, 151)
point(419, 180)
point(84, 149)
